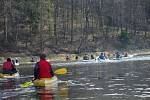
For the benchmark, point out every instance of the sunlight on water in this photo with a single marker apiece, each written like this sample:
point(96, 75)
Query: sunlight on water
point(114, 94)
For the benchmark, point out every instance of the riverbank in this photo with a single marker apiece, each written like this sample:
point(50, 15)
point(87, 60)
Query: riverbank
point(25, 59)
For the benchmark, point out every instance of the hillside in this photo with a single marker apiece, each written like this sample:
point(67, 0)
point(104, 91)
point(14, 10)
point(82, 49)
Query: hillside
point(73, 26)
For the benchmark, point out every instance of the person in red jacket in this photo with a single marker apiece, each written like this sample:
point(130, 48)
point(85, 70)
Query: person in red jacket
point(8, 67)
point(43, 69)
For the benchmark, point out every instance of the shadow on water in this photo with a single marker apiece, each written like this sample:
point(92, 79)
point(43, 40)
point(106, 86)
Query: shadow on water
point(128, 80)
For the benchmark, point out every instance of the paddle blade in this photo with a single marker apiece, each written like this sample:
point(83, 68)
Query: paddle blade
point(27, 84)
point(61, 71)
point(1, 75)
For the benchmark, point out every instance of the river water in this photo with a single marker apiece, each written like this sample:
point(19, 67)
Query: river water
point(127, 79)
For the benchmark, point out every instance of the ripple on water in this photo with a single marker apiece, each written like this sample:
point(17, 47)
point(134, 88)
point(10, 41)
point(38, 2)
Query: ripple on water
point(143, 96)
point(141, 85)
point(147, 89)
point(73, 83)
point(122, 89)
point(146, 92)
point(139, 89)
point(80, 98)
point(9, 93)
point(119, 79)
point(113, 85)
point(147, 79)
point(95, 89)
point(114, 94)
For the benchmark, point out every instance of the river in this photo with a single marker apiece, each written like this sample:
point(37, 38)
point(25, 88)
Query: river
point(127, 79)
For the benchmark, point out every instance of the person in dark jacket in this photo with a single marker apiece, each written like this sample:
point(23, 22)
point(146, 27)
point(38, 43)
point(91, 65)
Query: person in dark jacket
point(85, 57)
point(76, 57)
point(92, 57)
point(118, 55)
point(67, 58)
point(43, 68)
point(8, 67)
point(126, 54)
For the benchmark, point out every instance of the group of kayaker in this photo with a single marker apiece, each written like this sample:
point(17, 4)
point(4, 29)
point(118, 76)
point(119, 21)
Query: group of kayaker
point(69, 58)
point(77, 57)
point(86, 57)
point(42, 68)
point(116, 55)
point(105, 55)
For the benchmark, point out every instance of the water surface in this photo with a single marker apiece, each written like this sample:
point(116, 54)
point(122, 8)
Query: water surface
point(119, 80)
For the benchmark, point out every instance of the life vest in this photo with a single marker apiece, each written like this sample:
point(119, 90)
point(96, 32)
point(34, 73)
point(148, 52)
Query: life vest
point(7, 66)
point(44, 69)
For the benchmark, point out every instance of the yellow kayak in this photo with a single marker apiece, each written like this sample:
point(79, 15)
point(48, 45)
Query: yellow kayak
point(16, 75)
point(46, 82)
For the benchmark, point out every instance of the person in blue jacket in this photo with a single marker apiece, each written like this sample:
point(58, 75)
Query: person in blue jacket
point(101, 56)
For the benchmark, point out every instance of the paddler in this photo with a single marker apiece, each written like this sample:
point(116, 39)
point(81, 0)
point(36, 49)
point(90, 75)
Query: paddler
point(8, 67)
point(43, 68)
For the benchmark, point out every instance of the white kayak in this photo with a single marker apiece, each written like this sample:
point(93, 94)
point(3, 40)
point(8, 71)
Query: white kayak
point(17, 64)
point(122, 58)
point(91, 60)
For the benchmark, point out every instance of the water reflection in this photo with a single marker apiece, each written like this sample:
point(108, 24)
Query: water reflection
point(8, 85)
point(8, 88)
point(49, 93)
point(45, 94)
point(112, 81)
point(11, 90)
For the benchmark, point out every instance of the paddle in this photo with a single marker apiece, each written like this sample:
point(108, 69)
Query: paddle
point(60, 71)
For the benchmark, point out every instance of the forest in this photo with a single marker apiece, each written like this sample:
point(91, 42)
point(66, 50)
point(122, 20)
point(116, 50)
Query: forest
point(74, 26)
